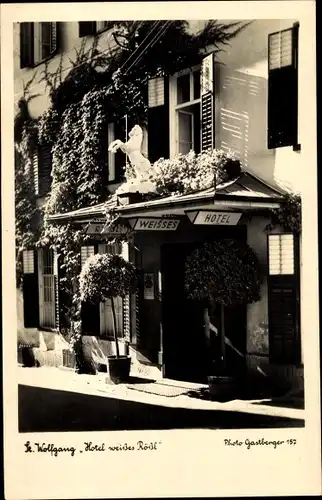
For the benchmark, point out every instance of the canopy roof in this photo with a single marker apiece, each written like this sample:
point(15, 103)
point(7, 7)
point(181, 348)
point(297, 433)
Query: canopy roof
point(247, 192)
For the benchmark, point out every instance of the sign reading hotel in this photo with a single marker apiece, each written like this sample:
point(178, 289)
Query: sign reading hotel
point(212, 218)
point(154, 224)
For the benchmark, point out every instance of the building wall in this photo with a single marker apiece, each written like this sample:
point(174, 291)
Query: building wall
point(241, 86)
point(68, 43)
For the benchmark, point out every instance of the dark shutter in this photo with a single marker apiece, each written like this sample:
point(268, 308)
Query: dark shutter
point(44, 169)
point(283, 88)
point(86, 28)
point(90, 315)
point(26, 45)
point(207, 103)
point(284, 314)
point(282, 319)
point(30, 289)
point(158, 120)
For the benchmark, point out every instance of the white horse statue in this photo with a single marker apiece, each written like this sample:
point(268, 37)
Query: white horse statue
point(132, 148)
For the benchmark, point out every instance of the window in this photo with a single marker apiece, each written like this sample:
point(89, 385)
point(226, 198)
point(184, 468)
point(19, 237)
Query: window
point(38, 42)
point(111, 156)
point(281, 254)
point(28, 262)
point(186, 116)
point(86, 252)
point(87, 28)
point(283, 88)
point(42, 164)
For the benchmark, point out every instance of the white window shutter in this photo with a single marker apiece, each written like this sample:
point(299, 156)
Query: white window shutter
point(207, 103)
point(37, 43)
point(280, 49)
point(86, 251)
point(35, 168)
point(53, 37)
point(28, 262)
point(156, 92)
point(281, 254)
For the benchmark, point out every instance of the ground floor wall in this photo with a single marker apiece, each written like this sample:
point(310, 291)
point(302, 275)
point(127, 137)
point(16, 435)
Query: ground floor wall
point(146, 339)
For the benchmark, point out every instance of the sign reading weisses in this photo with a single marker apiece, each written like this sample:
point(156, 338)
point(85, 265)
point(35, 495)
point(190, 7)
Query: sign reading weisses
point(154, 224)
point(212, 218)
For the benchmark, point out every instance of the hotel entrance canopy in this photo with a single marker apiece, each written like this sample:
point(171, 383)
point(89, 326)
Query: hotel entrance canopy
point(246, 193)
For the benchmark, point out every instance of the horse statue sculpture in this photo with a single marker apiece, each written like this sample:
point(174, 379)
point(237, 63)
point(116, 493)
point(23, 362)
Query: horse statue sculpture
point(141, 165)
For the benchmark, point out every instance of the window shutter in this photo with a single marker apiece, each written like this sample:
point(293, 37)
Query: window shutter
point(30, 289)
point(283, 88)
point(207, 103)
point(86, 28)
point(35, 170)
point(56, 285)
point(119, 156)
point(126, 300)
point(158, 119)
point(44, 169)
point(110, 157)
point(53, 38)
point(90, 315)
point(26, 45)
point(283, 299)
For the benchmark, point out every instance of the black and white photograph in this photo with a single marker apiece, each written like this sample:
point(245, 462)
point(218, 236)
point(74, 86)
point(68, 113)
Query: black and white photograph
point(161, 172)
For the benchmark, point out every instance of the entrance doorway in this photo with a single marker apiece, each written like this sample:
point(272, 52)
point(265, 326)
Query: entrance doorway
point(186, 355)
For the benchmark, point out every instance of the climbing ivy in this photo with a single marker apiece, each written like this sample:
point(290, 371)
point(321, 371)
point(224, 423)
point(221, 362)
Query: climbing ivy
point(288, 215)
point(99, 88)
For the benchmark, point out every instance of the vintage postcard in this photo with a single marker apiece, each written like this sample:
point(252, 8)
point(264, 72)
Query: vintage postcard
point(160, 250)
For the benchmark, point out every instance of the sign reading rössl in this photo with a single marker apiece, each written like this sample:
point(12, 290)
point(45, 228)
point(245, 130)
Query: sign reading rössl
point(214, 218)
point(154, 224)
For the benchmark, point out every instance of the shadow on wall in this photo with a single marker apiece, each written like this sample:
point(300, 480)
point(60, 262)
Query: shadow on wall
point(241, 120)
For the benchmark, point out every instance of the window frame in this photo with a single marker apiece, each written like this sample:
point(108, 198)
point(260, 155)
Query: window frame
point(292, 141)
point(280, 235)
point(175, 107)
point(36, 45)
point(111, 179)
point(97, 29)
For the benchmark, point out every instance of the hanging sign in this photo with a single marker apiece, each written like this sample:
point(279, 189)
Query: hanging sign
point(95, 228)
point(212, 218)
point(101, 228)
point(154, 224)
point(116, 229)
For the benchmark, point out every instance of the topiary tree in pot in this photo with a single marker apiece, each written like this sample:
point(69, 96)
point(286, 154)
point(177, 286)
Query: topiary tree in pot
point(106, 277)
point(224, 272)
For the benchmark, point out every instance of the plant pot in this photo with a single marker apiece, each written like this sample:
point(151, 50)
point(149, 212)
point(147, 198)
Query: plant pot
point(119, 368)
point(222, 387)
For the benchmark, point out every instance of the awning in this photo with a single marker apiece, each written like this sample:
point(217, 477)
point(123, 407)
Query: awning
point(244, 193)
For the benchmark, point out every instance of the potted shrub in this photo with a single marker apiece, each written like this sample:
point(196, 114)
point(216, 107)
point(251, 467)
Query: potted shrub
point(223, 272)
point(105, 277)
